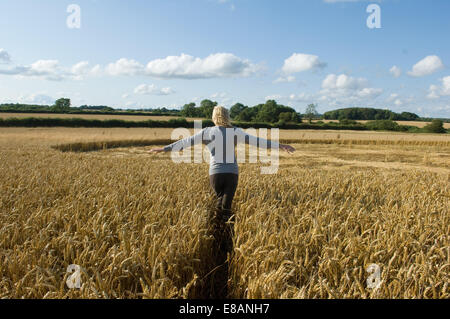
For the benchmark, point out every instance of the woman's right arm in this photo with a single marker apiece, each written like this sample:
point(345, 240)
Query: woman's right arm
point(181, 144)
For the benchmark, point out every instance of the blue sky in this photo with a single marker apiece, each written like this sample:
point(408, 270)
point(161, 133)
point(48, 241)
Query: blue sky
point(165, 53)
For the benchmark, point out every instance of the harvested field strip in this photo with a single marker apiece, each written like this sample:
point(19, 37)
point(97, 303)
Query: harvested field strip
point(102, 145)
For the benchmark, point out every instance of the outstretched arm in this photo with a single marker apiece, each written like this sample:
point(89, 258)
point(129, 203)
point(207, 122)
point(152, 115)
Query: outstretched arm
point(156, 150)
point(181, 144)
point(257, 141)
point(287, 148)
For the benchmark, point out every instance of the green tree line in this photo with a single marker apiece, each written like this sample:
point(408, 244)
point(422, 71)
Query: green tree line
point(63, 106)
point(359, 113)
point(270, 112)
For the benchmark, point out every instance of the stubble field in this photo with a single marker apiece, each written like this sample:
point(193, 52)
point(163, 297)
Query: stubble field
point(137, 224)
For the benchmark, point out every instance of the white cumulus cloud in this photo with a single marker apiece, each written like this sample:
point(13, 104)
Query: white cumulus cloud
point(47, 69)
point(426, 66)
point(300, 62)
point(82, 69)
point(343, 82)
point(369, 92)
point(347, 89)
point(124, 66)
point(445, 85)
point(44, 66)
point(151, 89)
point(395, 71)
point(218, 65)
point(436, 91)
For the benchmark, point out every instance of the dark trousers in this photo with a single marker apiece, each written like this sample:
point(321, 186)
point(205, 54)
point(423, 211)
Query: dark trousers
point(224, 185)
point(221, 227)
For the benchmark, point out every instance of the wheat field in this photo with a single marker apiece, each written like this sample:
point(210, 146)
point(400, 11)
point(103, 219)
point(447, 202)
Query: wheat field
point(137, 224)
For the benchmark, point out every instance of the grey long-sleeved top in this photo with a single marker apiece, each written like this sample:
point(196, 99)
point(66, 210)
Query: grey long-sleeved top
point(221, 143)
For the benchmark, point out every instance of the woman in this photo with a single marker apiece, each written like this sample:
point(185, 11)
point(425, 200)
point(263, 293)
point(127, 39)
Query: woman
point(223, 172)
point(221, 141)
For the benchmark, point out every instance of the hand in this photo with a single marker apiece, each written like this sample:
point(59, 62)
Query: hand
point(156, 150)
point(287, 148)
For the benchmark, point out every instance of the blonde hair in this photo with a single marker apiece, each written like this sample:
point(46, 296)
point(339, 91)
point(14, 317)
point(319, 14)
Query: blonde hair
point(221, 116)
